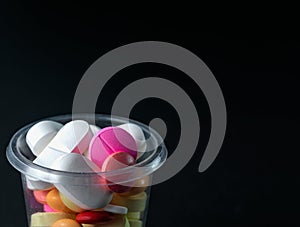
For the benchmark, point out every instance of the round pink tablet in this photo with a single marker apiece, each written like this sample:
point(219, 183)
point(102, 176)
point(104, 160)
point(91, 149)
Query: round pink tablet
point(110, 140)
point(40, 196)
point(117, 160)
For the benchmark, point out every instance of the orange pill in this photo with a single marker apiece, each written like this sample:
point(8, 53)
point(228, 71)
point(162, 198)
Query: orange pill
point(66, 223)
point(140, 185)
point(54, 201)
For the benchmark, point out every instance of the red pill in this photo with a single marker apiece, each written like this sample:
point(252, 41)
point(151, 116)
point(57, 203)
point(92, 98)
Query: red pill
point(92, 217)
point(116, 161)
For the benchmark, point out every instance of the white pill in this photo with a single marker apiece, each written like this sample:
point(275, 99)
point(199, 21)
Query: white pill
point(39, 135)
point(86, 195)
point(115, 209)
point(94, 129)
point(73, 137)
point(37, 138)
point(35, 184)
point(137, 133)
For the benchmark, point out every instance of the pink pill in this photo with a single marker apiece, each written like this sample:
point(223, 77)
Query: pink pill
point(110, 140)
point(47, 208)
point(118, 160)
point(40, 196)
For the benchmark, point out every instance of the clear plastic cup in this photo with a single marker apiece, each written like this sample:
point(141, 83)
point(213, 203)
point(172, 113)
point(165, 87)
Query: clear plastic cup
point(20, 157)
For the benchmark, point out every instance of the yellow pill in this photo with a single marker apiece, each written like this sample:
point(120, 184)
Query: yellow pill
point(127, 223)
point(48, 218)
point(70, 204)
point(136, 203)
point(135, 223)
point(133, 215)
point(54, 201)
point(119, 221)
point(66, 223)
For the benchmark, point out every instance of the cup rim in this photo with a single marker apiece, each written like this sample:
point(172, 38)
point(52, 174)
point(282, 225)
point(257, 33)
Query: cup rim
point(28, 168)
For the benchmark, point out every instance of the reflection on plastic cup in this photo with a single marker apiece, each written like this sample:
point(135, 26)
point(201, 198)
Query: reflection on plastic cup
point(83, 185)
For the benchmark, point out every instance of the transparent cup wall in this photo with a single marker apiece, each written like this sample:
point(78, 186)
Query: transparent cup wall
point(33, 206)
point(21, 158)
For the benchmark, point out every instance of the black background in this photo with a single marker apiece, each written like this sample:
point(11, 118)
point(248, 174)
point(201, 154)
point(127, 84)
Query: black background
point(44, 51)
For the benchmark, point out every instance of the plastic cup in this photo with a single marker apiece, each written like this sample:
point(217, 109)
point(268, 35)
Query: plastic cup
point(20, 157)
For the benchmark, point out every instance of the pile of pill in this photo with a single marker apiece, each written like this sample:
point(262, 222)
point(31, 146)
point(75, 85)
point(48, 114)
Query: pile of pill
point(79, 147)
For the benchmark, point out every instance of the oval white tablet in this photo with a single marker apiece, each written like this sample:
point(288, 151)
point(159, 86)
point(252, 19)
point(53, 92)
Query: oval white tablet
point(40, 135)
point(37, 138)
point(86, 196)
point(137, 133)
point(35, 184)
point(94, 129)
point(115, 209)
point(73, 137)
